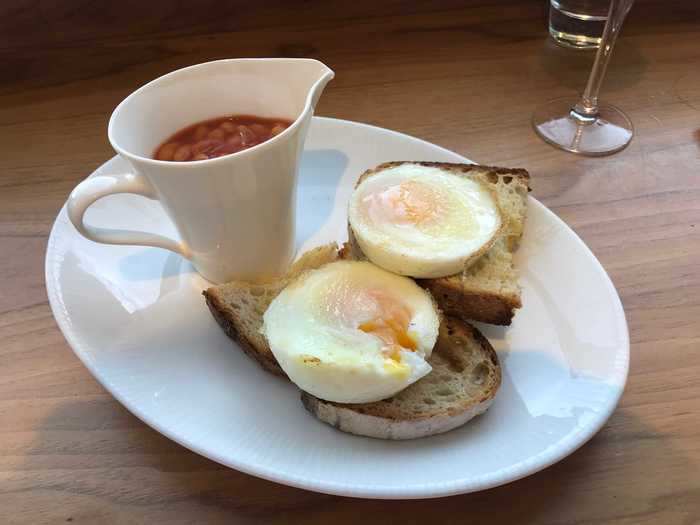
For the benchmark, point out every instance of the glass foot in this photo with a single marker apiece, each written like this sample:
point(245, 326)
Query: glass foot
point(609, 132)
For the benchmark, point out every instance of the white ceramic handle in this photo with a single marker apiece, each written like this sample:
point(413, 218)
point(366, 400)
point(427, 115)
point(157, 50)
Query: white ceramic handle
point(94, 188)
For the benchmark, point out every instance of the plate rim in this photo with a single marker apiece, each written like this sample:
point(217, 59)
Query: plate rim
point(467, 484)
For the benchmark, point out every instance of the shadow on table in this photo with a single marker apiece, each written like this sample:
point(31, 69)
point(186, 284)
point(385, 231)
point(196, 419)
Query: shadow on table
point(113, 467)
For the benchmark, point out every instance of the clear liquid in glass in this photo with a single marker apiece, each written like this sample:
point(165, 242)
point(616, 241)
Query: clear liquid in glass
point(578, 23)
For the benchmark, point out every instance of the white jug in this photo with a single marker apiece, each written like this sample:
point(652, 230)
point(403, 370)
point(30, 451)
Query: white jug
point(235, 214)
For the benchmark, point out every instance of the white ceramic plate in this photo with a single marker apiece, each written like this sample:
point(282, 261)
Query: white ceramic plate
point(136, 318)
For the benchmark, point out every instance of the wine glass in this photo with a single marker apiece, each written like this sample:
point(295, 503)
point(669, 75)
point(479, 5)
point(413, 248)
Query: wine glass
point(584, 126)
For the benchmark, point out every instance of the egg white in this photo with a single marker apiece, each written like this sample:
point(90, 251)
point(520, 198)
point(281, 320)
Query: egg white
point(312, 328)
point(464, 221)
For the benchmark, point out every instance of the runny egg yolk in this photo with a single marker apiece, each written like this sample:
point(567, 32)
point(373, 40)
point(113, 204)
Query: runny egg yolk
point(409, 202)
point(391, 325)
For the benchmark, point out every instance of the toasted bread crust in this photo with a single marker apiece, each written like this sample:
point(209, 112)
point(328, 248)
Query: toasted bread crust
point(382, 420)
point(448, 352)
point(451, 297)
point(353, 422)
point(462, 356)
point(227, 322)
point(483, 306)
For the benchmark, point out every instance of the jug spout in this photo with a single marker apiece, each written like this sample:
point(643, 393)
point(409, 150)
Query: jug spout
point(298, 84)
point(281, 87)
point(319, 75)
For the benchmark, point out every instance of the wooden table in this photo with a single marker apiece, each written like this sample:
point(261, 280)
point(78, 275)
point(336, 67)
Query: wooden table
point(464, 77)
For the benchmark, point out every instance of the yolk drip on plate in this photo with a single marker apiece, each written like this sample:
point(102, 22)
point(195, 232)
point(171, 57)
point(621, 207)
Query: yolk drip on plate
point(391, 325)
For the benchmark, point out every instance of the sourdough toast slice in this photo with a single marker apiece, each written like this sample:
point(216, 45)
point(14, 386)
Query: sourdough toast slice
point(239, 306)
point(487, 290)
point(465, 377)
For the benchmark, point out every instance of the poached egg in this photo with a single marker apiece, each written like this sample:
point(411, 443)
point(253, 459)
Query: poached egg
point(423, 221)
point(351, 332)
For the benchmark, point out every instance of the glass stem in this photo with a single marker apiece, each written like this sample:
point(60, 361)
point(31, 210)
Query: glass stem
point(586, 110)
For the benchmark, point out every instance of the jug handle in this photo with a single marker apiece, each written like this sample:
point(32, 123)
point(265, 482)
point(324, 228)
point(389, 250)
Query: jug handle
point(91, 190)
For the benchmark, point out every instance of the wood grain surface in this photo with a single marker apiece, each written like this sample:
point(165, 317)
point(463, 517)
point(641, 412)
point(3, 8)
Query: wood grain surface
point(465, 75)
